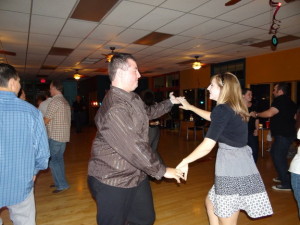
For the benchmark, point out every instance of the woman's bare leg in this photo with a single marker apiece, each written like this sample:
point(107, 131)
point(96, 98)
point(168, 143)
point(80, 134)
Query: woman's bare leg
point(213, 219)
point(230, 220)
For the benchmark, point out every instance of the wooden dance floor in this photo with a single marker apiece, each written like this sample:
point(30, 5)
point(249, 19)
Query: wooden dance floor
point(175, 204)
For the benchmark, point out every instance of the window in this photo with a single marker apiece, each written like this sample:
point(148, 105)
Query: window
point(237, 67)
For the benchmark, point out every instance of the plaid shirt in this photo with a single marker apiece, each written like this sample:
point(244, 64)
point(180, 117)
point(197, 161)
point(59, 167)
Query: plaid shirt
point(59, 113)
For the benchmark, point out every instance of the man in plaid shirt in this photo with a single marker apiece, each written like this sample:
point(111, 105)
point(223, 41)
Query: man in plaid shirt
point(58, 121)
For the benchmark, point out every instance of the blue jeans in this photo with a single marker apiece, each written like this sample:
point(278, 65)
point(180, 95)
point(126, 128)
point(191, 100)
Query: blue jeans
point(279, 152)
point(295, 178)
point(56, 164)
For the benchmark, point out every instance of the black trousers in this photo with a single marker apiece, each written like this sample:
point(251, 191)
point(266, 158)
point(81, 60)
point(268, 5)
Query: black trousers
point(123, 206)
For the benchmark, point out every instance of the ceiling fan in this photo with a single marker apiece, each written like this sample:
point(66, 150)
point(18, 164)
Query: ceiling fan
point(77, 76)
point(109, 56)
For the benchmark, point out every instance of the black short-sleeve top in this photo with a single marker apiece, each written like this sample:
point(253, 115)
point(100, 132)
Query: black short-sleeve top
point(227, 127)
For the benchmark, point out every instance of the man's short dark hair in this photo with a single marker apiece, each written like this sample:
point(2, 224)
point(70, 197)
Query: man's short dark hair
point(118, 61)
point(57, 84)
point(6, 73)
point(244, 90)
point(283, 87)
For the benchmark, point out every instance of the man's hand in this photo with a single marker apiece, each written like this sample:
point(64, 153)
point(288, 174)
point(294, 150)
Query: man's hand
point(173, 99)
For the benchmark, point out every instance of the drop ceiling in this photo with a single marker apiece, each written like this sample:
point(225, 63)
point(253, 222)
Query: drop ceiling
point(52, 38)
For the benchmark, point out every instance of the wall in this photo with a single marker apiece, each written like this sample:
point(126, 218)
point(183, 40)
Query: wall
point(268, 68)
point(274, 67)
point(191, 78)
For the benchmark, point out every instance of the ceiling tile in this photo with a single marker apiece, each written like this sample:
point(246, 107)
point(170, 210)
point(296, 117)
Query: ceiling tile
point(130, 35)
point(222, 48)
point(225, 32)
point(259, 20)
point(130, 12)
point(38, 50)
point(133, 48)
point(81, 53)
point(210, 45)
point(35, 59)
point(173, 41)
point(182, 23)
point(90, 44)
point(291, 21)
point(194, 43)
point(149, 2)
point(67, 42)
point(106, 32)
point(17, 48)
point(92, 10)
point(46, 25)
point(156, 19)
point(288, 45)
point(151, 50)
point(13, 37)
point(252, 33)
point(16, 5)
point(252, 9)
point(54, 60)
point(41, 39)
point(205, 28)
point(180, 5)
point(289, 9)
point(215, 8)
point(13, 21)
point(71, 28)
point(53, 8)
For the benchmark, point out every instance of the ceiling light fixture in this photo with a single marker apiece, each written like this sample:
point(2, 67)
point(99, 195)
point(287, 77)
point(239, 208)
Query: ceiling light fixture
point(77, 76)
point(196, 64)
point(109, 56)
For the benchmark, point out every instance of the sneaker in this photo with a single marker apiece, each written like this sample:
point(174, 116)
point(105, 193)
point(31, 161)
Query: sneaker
point(279, 187)
point(277, 180)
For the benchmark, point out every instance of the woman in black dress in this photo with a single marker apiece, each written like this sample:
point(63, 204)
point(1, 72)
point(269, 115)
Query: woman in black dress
point(238, 184)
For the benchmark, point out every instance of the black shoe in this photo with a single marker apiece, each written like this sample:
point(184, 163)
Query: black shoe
point(59, 191)
point(280, 187)
point(52, 186)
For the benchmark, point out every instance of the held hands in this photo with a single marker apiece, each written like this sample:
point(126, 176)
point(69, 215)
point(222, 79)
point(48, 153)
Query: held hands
point(184, 103)
point(173, 99)
point(173, 173)
point(184, 168)
point(253, 114)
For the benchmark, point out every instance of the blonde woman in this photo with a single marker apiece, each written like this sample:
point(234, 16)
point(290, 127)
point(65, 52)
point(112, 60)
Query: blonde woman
point(238, 184)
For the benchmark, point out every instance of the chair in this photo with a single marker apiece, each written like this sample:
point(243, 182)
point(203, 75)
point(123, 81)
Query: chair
point(198, 125)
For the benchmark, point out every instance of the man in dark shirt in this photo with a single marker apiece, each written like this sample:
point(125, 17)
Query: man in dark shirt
point(79, 113)
point(282, 125)
point(121, 156)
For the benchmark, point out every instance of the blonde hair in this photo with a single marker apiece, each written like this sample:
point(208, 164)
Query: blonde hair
point(231, 93)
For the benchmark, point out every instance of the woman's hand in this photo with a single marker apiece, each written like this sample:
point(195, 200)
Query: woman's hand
point(184, 103)
point(184, 168)
point(172, 173)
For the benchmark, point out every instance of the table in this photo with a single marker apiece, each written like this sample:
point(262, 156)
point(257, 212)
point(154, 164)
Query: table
point(262, 139)
point(184, 124)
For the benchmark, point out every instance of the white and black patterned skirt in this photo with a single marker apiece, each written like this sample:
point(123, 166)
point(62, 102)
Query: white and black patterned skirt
point(238, 184)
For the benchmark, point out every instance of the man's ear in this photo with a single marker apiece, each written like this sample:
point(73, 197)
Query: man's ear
point(10, 84)
point(13, 86)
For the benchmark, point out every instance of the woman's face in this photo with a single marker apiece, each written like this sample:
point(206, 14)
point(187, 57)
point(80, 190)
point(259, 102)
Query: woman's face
point(214, 90)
